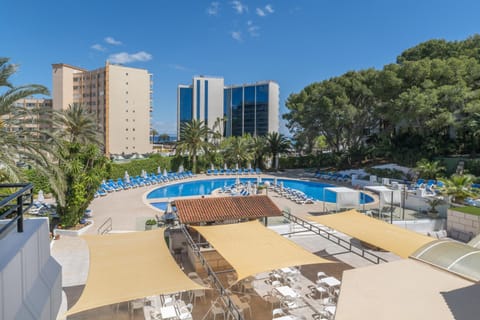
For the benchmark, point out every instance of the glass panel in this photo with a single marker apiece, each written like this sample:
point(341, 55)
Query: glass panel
point(237, 111)
point(186, 105)
point(249, 110)
point(206, 102)
point(198, 99)
point(227, 112)
point(262, 110)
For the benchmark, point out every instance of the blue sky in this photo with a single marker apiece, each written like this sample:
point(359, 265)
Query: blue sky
point(292, 42)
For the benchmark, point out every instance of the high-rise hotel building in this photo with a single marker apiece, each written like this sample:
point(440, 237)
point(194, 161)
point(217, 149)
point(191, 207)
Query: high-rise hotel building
point(119, 96)
point(248, 108)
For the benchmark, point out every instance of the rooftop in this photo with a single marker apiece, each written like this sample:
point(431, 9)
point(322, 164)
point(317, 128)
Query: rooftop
point(225, 208)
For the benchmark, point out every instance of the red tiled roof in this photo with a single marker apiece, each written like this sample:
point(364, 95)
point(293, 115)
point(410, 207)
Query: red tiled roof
point(225, 208)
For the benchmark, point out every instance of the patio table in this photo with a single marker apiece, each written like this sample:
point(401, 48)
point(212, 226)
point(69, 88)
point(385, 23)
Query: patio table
point(286, 291)
point(168, 312)
point(330, 281)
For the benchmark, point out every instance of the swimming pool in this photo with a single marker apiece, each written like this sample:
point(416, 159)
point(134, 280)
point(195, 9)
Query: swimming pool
point(204, 187)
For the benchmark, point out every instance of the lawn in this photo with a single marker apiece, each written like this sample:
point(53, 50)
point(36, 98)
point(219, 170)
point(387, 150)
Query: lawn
point(469, 209)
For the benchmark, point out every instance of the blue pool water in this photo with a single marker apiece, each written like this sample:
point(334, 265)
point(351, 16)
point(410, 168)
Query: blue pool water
point(205, 187)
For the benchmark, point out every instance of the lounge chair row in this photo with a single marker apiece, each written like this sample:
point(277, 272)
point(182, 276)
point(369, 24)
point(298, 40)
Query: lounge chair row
point(292, 194)
point(332, 176)
point(138, 181)
point(240, 171)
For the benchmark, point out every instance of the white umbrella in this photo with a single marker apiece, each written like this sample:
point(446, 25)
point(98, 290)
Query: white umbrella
point(249, 166)
point(281, 185)
point(40, 197)
point(274, 181)
point(180, 169)
point(236, 166)
point(159, 170)
point(225, 166)
point(144, 174)
point(249, 187)
point(212, 167)
point(165, 173)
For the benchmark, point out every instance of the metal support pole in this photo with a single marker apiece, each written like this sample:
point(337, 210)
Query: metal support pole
point(391, 208)
point(20, 213)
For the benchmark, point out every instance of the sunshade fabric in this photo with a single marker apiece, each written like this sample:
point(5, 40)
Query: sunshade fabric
point(346, 197)
point(128, 266)
point(386, 195)
point(399, 290)
point(389, 237)
point(251, 248)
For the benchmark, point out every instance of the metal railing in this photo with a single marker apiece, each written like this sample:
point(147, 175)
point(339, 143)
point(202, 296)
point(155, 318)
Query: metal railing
point(308, 226)
point(233, 310)
point(106, 226)
point(13, 205)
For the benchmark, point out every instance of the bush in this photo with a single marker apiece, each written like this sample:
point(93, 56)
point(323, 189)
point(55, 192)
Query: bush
point(151, 222)
point(39, 181)
point(135, 167)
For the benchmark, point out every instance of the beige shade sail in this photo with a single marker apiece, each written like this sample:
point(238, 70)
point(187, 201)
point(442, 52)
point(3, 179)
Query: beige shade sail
point(128, 266)
point(399, 290)
point(251, 248)
point(378, 233)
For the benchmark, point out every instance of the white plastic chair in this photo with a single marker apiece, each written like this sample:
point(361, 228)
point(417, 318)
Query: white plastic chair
point(217, 310)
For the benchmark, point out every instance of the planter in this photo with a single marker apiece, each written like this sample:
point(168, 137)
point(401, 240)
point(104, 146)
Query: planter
point(72, 233)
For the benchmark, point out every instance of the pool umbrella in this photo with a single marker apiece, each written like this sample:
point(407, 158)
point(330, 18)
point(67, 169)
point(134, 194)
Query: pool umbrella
point(249, 187)
point(40, 197)
point(212, 167)
point(225, 166)
point(274, 181)
point(180, 169)
point(249, 166)
point(281, 185)
point(165, 173)
point(126, 177)
point(159, 170)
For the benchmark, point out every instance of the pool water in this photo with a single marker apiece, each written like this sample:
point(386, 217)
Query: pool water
point(312, 189)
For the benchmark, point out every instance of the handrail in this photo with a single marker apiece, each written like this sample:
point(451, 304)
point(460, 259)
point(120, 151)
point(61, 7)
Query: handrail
point(108, 226)
point(336, 239)
point(236, 314)
point(25, 193)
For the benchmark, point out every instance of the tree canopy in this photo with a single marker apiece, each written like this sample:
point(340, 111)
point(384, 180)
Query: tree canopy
point(424, 105)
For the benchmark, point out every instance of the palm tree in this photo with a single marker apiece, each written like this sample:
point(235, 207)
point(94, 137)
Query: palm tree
point(458, 187)
point(277, 143)
point(259, 150)
point(82, 162)
point(16, 143)
point(78, 124)
point(429, 169)
point(238, 149)
point(193, 138)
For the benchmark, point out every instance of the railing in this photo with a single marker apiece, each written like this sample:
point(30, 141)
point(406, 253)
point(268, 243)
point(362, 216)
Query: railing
point(105, 227)
point(12, 206)
point(308, 226)
point(234, 312)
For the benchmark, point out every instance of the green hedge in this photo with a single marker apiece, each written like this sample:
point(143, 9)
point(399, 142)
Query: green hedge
point(135, 167)
point(39, 181)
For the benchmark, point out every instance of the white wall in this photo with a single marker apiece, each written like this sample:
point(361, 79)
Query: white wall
point(30, 278)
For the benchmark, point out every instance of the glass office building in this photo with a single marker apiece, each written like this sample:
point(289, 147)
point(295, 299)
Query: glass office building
point(247, 109)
